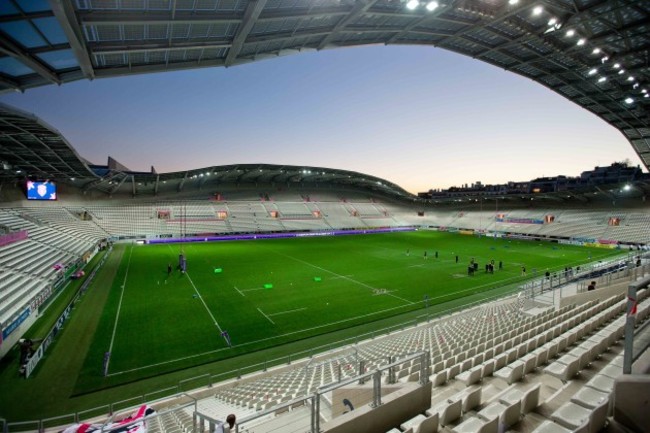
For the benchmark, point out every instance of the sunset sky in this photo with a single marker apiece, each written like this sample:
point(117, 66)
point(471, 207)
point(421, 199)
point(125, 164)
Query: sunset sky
point(420, 117)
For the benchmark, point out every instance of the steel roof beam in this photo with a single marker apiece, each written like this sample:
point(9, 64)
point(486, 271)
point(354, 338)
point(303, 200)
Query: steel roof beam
point(359, 8)
point(194, 17)
point(65, 14)
point(102, 48)
point(253, 11)
point(10, 48)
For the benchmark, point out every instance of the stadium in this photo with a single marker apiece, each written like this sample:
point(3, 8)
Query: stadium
point(303, 298)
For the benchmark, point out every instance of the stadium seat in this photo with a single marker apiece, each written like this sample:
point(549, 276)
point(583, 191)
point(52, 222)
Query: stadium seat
point(476, 425)
point(529, 398)
point(551, 427)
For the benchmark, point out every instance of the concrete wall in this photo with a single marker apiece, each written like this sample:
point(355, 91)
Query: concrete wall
point(396, 408)
point(358, 396)
point(600, 293)
point(632, 402)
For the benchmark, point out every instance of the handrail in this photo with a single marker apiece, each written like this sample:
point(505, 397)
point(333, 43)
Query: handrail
point(201, 418)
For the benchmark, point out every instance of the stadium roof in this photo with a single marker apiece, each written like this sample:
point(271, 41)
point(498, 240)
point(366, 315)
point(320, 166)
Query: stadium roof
point(593, 52)
point(30, 146)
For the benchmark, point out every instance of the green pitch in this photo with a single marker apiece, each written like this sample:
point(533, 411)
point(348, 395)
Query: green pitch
point(269, 292)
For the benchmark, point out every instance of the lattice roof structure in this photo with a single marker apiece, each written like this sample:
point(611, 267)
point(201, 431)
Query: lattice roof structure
point(595, 53)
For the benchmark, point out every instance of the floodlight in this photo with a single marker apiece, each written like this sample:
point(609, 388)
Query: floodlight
point(617, 65)
point(432, 5)
point(602, 79)
point(552, 21)
point(570, 32)
point(592, 71)
point(581, 41)
point(596, 51)
point(627, 188)
point(412, 4)
point(644, 90)
point(630, 78)
point(537, 10)
point(629, 100)
point(621, 72)
point(513, 2)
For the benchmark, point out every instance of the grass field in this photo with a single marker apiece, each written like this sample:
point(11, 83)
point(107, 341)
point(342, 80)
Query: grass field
point(162, 329)
point(154, 323)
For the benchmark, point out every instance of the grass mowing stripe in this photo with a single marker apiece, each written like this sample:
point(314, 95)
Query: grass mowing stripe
point(342, 277)
point(119, 307)
point(275, 337)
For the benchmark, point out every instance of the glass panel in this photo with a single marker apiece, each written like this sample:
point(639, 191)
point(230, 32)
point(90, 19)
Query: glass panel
point(23, 33)
point(52, 30)
point(60, 59)
point(33, 5)
point(11, 66)
point(7, 8)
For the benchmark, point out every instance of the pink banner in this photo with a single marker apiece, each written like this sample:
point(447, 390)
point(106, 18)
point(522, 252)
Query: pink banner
point(10, 238)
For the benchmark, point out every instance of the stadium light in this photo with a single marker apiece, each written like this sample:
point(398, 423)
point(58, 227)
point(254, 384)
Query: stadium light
point(570, 33)
point(581, 42)
point(552, 22)
point(537, 10)
point(513, 2)
point(596, 51)
point(630, 78)
point(592, 71)
point(617, 65)
point(621, 72)
point(627, 188)
point(432, 6)
point(629, 100)
point(412, 4)
point(602, 79)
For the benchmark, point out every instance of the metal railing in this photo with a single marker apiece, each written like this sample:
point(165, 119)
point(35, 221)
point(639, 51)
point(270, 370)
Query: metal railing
point(543, 288)
point(318, 405)
point(103, 415)
point(208, 380)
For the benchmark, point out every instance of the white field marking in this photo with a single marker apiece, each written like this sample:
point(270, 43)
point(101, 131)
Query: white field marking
point(287, 312)
point(415, 266)
point(257, 341)
point(267, 317)
point(343, 277)
point(200, 297)
point(119, 307)
point(204, 304)
point(340, 277)
point(240, 292)
point(252, 290)
point(283, 335)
